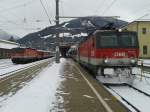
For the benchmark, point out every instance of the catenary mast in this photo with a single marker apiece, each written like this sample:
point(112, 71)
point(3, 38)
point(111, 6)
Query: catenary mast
point(57, 33)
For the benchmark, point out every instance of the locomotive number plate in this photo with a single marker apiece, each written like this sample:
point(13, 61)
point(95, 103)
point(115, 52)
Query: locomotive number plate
point(118, 54)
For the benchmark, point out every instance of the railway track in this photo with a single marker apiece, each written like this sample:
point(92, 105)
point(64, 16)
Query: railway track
point(143, 75)
point(131, 96)
point(24, 67)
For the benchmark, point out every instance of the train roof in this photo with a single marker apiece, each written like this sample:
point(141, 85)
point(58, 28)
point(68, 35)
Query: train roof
point(24, 48)
point(43, 51)
point(4, 44)
point(102, 31)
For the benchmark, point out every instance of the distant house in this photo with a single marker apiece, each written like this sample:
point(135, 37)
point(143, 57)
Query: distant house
point(142, 27)
point(5, 48)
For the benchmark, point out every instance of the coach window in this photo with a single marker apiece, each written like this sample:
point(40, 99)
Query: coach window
point(145, 50)
point(144, 30)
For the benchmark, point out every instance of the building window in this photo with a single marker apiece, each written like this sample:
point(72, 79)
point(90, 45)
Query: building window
point(144, 30)
point(145, 50)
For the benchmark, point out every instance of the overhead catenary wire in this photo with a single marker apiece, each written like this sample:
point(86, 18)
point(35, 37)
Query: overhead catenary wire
point(14, 23)
point(140, 9)
point(62, 8)
point(9, 10)
point(45, 11)
point(6, 21)
point(15, 15)
point(17, 6)
point(12, 8)
point(107, 8)
point(51, 13)
point(135, 20)
point(48, 5)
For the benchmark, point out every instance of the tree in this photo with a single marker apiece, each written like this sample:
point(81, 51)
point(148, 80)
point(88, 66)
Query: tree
point(12, 39)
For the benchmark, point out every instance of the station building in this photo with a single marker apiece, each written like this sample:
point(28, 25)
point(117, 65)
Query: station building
point(5, 48)
point(142, 27)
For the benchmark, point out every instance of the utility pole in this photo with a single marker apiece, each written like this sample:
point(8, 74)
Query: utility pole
point(57, 34)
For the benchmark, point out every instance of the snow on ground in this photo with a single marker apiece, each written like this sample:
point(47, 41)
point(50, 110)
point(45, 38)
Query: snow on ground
point(5, 63)
point(146, 62)
point(8, 71)
point(143, 84)
point(139, 100)
point(7, 44)
point(37, 95)
point(4, 60)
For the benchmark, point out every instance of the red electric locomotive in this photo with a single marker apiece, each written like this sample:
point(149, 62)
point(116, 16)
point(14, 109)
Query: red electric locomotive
point(27, 55)
point(110, 54)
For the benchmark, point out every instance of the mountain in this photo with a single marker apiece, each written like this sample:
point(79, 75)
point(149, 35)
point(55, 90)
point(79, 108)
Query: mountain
point(45, 39)
point(6, 36)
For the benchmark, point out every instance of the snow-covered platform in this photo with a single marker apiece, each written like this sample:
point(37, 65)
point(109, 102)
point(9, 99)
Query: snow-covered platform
point(63, 87)
point(80, 92)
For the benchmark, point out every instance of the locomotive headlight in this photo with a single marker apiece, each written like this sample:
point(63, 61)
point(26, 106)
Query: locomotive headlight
point(133, 61)
point(106, 61)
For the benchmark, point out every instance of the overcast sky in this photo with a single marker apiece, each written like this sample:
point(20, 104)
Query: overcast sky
point(21, 17)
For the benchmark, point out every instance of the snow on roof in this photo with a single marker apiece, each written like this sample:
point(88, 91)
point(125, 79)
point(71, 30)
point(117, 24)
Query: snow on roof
point(46, 36)
point(6, 41)
point(65, 24)
point(64, 34)
point(70, 35)
point(7, 44)
point(143, 20)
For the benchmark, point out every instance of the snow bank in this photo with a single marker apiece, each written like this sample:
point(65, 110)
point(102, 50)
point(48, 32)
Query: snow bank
point(8, 71)
point(38, 95)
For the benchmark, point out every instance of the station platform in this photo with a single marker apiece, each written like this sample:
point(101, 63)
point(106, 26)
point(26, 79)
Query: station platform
point(82, 93)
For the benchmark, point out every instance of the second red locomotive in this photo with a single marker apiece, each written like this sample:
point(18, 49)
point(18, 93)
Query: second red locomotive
point(27, 55)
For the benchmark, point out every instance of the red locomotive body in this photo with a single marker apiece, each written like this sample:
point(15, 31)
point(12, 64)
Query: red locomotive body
point(26, 55)
point(109, 54)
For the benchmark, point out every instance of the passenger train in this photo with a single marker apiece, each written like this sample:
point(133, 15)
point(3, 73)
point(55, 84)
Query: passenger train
point(111, 55)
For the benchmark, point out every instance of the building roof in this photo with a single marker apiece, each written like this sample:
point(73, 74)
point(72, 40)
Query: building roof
point(8, 44)
point(143, 20)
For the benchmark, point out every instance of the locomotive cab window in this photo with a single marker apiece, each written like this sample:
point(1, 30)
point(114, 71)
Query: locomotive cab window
point(107, 40)
point(129, 40)
point(114, 40)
